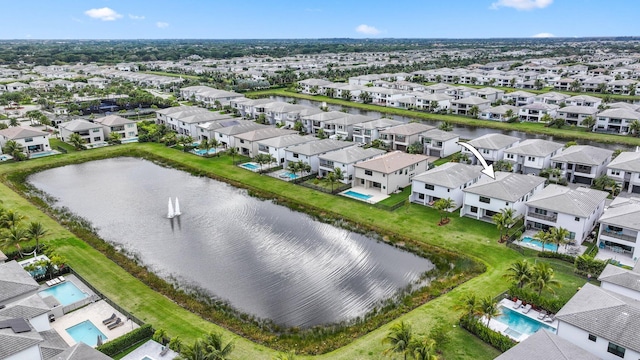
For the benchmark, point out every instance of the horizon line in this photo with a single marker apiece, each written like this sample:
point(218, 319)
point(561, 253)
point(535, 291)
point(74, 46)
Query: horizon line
point(330, 38)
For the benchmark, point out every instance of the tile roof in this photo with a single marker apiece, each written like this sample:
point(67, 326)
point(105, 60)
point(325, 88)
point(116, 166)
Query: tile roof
point(544, 345)
point(621, 113)
point(583, 154)
point(382, 123)
point(439, 135)
point(26, 308)
point(450, 175)
point(20, 132)
point(111, 120)
point(265, 133)
point(13, 343)
point(79, 125)
point(351, 154)
point(15, 281)
point(408, 129)
point(626, 161)
point(629, 279)
point(391, 162)
point(506, 186)
point(580, 202)
point(494, 141)
point(240, 128)
point(623, 212)
point(319, 147)
point(81, 351)
point(535, 147)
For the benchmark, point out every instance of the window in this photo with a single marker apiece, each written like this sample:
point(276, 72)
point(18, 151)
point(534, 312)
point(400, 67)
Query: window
point(615, 172)
point(428, 186)
point(241, 141)
point(97, 138)
point(95, 130)
point(576, 218)
point(485, 200)
point(593, 337)
point(296, 156)
point(368, 172)
point(616, 350)
point(28, 140)
point(421, 196)
point(474, 209)
point(510, 156)
point(531, 158)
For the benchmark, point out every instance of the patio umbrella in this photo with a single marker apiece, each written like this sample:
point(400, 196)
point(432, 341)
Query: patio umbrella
point(99, 342)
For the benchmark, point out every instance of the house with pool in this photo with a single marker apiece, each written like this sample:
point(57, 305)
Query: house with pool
point(532, 155)
point(313, 123)
point(91, 133)
point(390, 172)
point(32, 141)
point(226, 135)
point(127, 129)
point(545, 345)
point(205, 130)
point(625, 170)
point(368, 131)
point(342, 127)
point(345, 159)
point(491, 147)
point(581, 164)
point(276, 146)
point(247, 142)
point(310, 152)
point(489, 196)
point(576, 210)
point(442, 182)
point(620, 229)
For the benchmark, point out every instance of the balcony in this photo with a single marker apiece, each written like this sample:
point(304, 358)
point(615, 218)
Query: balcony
point(549, 218)
point(619, 235)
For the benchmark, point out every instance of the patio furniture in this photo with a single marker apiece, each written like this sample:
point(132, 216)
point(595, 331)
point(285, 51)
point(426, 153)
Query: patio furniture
point(517, 304)
point(61, 278)
point(549, 318)
point(115, 324)
point(526, 309)
point(110, 319)
point(165, 350)
point(542, 314)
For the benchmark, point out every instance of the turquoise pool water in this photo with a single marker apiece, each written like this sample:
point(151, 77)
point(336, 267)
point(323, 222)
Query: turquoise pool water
point(66, 293)
point(129, 140)
point(204, 151)
point(42, 154)
point(520, 324)
point(250, 166)
point(547, 246)
point(357, 195)
point(86, 332)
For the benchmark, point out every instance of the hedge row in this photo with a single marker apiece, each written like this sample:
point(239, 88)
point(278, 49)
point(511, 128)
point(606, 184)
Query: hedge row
point(553, 255)
point(495, 339)
point(530, 297)
point(127, 340)
point(586, 265)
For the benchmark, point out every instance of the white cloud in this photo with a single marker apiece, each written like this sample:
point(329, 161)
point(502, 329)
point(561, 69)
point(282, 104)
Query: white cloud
point(543, 35)
point(367, 30)
point(136, 17)
point(104, 14)
point(162, 25)
point(521, 4)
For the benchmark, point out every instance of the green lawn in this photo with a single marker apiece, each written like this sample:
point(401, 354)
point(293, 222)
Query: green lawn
point(462, 235)
point(55, 143)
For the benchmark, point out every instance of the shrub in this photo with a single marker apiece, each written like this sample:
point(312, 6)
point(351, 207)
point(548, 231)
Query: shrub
point(586, 265)
point(553, 255)
point(530, 297)
point(495, 339)
point(125, 341)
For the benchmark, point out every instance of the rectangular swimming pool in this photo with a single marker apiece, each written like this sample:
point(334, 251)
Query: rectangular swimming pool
point(66, 293)
point(250, 166)
point(520, 324)
point(538, 243)
point(86, 332)
point(357, 195)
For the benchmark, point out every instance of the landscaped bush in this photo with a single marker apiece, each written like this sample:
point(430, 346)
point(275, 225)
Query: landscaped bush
point(495, 339)
point(543, 302)
point(553, 255)
point(125, 341)
point(586, 265)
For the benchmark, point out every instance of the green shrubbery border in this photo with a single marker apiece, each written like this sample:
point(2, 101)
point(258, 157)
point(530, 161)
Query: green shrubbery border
point(126, 341)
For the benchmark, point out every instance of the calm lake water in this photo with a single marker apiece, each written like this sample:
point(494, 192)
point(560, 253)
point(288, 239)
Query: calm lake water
point(264, 259)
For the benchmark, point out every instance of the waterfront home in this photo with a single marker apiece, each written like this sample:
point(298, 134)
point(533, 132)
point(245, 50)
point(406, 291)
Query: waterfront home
point(209, 96)
point(250, 108)
point(532, 155)
point(584, 100)
point(545, 345)
point(621, 87)
point(91, 133)
point(309, 152)
point(280, 112)
point(15, 283)
point(582, 163)
point(500, 113)
point(620, 280)
point(226, 135)
point(433, 102)
point(507, 191)
point(31, 140)
point(276, 146)
point(185, 119)
point(401, 136)
point(368, 131)
point(348, 92)
point(491, 147)
point(574, 115)
point(205, 130)
point(127, 129)
point(313, 123)
point(620, 227)
point(490, 94)
point(576, 210)
point(551, 98)
point(465, 105)
point(247, 142)
point(625, 170)
point(534, 112)
point(518, 98)
point(616, 120)
point(601, 322)
point(345, 159)
point(440, 143)
point(444, 181)
point(342, 127)
point(312, 86)
point(390, 172)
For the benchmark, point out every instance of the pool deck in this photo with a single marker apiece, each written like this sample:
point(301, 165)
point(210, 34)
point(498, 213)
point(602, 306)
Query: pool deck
point(282, 175)
point(563, 249)
point(151, 349)
point(532, 314)
point(376, 196)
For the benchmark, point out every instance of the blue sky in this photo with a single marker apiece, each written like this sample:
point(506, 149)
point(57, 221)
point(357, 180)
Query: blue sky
point(278, 19)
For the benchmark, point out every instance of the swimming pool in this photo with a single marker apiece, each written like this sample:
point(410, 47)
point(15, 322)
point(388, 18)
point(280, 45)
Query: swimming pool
point(5, 157)
point(204, 151)
point(250, 166)
point(86, 332)
point(357, 195)
point(538, 243)
point(520, 324)
point(42, 154)
point(66, 293)
point(129, 140)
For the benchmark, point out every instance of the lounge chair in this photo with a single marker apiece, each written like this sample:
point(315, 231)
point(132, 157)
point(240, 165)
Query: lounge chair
point(549, 318)
point(61, 278)
point(49, 283)
point(165, 350)
point(526, 308)
point(115, 324)
point(110, 319)
point(542, 314)
point(517, 304)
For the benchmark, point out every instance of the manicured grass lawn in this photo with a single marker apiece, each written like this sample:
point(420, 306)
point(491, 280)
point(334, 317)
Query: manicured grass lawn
point(55, 143)
point(394, 199)
point(462, 235)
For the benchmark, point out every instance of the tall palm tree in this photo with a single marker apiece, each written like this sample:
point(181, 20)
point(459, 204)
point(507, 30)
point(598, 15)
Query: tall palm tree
point(10, 219)
point(14, 149)
point(542, 277)
point(196, 351)
point(205, 145)
point(489, 308)
point(519, 272)
point(331, 179)
point(474, 111)
point(424, 349)
point(215, 348)
point(399, 339)
point(35, 231)
point(634, 127)
point(559, 236)
point(469, 305)
point(543, 236)
point(503, 220)
point(77, 141)
point(509, 114)
point(588, 122)
point(13, 236)
point(233, 151)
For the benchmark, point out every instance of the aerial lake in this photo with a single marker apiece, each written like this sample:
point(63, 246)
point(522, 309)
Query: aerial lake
point(263, 259)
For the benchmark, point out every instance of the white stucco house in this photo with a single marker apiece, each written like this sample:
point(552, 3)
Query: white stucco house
point(491, 147)
point(575, 115)
point(444, 181)
point(310, 152)
point(440, 143)
point(534, 112)
point(625, 170)
point(390, 172)
point(127, 129)
point(345, 159)
point(276, 146)
point(582, 163)
point(91, 133)
point(368, 131)
point(402, 136)
point(532, 155)
point(31, 140)
point(247, 142)
point(226, 135)
point(620, 227)
point(616, 120)
point(500, 113)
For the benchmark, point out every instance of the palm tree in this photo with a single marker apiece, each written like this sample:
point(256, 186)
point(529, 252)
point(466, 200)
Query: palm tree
point(13, 236)
point(519, 272)
point(304, 167)
point(294, 167)
point(588, 122)
point(263, 159)
point(77, 141)
point(13, 122)
point(14, 149)
point(489, 308)
point(424, 349)
point(415, 148)
point(543, 236)
point(445, 126)
point(634, 127)
point(196, 351)
point(399, 339)
point(233, 151)
point(547, 119)
point(474, 111)
point(559, 236)
point(542, 277)
point(503, 220)
point(509, 114)
point(175, 344)
point(35, 231)
point(215, 348)
point(334, 176)
point(205, 145)
point(10, 219)
point(214, 144)
point(469, 305)
point(503, 165)
point(115, 137)
point(443, 205)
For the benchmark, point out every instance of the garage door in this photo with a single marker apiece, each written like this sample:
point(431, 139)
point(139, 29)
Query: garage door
point(582, 180)
point(636, 189)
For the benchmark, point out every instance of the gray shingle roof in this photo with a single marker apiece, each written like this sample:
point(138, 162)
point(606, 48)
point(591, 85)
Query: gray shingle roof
point(19, 132)
point(350, 120)
point(408, 129)
point(15, 281)
point(494, 141)
point(26, 308)
point(471, 100)
point(450, 175)
point(439, 135)
point(507, 186)
point(580, 202)
point(80, 125)
point(502, 109)
point(325, 116)
point(81, 351)
point(623, 212)
point(544, 345)
point(583, 154)
point(240, 128)
point(351, 154)
point(391, 162)
point(382, 123)
point(605, 314)
point(13, 343)
point(319, 147)
point(619, 276)
point(574, 109)
point(111, 120)
point(620, 113)
point(287, 140)
point(535, 147)
point(626, 161)
point(266, 133)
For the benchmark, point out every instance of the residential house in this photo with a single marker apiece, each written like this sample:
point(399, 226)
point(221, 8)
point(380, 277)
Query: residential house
point(576, 210)
point(616, 120)
point(444, 181)
point(250, 108)
point(280, 112)
point(490, 94)
point(16, 86)
point(314, 123)
point(582, 163)
point(575, 115)
point(596, 83)
point(433, 102)
point(345, 159)
point(545, 345)
point(491, 147)
point(390, 172)
point(91, 133)
point(276, 146)
point(601, 322)
point(625, 170)
point(368, 131)
point(312, 86)
point(621, 87)
point(226, 135)
point(620, 227)
point(552, 98)
point(535, 112)
point(469, 105)
point(342, 127)
point(310, 152)
point(247, 142)
point(209, 96)
point(16, 284)
point(127, 129)
point(401, 136)
point(532, 155)
point(185, 119)
point(584, 100)
point(31, 140)
point(507, 191)
point(440, 143)
point(98, 82)
point(348, 92)
point(500, 113)
point(518, 98)
point(620, 280)
point(205, 130)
